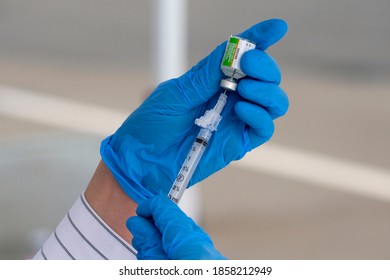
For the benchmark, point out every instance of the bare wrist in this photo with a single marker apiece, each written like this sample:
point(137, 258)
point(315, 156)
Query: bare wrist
point(109, 201)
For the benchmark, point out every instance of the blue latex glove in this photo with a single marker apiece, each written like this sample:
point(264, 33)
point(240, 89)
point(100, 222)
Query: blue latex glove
point(162, 231)
point(147, 151)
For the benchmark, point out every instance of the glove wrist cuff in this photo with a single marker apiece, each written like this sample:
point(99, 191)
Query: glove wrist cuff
point(130, 186)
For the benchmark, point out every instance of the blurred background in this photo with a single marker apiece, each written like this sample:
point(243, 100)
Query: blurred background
point(71, 71)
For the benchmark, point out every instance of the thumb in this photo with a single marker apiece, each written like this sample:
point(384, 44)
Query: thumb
point(202, 81)
point(266, 33)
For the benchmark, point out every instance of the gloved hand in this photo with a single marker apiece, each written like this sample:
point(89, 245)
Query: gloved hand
point(162, 231)
point(146, 152)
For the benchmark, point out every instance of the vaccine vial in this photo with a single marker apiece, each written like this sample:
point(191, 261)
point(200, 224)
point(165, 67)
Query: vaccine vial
point(230, 64)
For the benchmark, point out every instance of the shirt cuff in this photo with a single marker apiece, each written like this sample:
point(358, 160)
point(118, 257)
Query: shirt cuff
point(83, 235)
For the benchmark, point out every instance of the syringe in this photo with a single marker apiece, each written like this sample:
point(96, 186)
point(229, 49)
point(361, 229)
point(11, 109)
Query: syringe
point(208, 123)
point(230, 66)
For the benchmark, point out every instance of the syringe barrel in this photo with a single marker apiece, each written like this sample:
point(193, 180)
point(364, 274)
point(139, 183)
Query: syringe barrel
point(189, 166)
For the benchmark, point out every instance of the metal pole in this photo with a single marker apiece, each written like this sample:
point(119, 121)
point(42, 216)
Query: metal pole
point(169, 39)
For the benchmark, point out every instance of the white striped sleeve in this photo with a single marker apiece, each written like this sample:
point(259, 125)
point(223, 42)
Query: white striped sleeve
point(83, 235)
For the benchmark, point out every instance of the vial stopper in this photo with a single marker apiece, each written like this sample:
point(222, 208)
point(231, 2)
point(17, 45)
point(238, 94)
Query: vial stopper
point(229, 84)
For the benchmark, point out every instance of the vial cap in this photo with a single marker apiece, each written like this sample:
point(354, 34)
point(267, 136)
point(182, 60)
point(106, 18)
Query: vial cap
point(228, 84)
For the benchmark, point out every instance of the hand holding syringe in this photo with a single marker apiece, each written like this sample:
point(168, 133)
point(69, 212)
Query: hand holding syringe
point(230, 66)
point(146, 152)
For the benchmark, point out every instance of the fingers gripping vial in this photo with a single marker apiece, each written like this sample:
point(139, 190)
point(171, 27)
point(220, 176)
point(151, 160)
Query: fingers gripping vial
point(208, 123)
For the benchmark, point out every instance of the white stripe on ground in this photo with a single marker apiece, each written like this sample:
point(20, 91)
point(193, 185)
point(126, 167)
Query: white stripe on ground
point(59, 112)
point(320, 169)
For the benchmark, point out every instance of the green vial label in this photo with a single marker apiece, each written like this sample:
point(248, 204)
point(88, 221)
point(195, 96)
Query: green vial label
point(230, 51)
